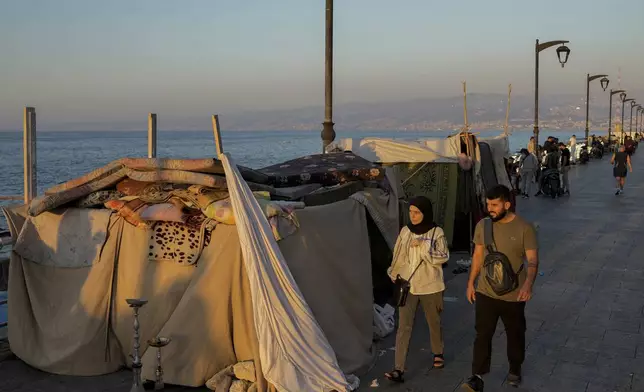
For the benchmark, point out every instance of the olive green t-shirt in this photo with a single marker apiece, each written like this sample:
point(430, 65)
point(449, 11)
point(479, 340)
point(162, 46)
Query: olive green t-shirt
point(512, 239)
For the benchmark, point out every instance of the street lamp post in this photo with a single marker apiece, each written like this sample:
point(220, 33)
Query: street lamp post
point(604, 83)
point(610, 111)
point(637, 116)
point(562, 51)
point(328, 134)
point(624, 100)
point(630, 126)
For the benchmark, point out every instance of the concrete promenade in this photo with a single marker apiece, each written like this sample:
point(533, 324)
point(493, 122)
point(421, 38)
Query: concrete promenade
point(585, 331)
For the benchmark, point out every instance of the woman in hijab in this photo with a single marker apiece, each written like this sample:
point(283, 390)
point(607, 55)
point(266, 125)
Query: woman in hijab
point(420, 251)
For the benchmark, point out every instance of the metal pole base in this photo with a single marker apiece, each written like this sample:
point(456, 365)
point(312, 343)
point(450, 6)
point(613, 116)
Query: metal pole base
point(328, 134)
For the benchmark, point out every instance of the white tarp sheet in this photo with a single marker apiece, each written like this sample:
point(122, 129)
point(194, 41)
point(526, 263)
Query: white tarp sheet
point(394, 151)
point(295, 354)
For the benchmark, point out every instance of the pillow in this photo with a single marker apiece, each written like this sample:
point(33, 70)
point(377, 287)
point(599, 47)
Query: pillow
point(166, 212)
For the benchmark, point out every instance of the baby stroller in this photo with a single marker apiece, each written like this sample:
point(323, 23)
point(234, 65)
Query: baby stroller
point(550, 182)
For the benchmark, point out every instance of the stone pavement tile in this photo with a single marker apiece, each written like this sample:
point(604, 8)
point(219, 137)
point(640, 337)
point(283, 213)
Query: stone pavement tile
point(596, 332)
point(554, 326)
point(622, 339)
point(605, 386)
point(574, 371)
point(634, 285)
point(536, 364)
point(632, 326)
point(583, 343)
point(586, 357)
point(626, 315)
point(561, 384)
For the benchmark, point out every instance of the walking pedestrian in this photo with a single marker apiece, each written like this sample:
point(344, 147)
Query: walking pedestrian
point(420, 251)
point(565, 167)
point(573, 149)
point(532, 146)
point(504, 285)
point(529, 164)
point(620, 161)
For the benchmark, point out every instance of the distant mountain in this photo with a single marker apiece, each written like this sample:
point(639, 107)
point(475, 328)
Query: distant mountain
point(485, 111)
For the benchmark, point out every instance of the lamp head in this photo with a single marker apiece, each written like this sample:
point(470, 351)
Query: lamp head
point(562, 54)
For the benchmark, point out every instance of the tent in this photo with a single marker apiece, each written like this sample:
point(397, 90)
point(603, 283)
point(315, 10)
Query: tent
point(288, 291)
point(453, 172)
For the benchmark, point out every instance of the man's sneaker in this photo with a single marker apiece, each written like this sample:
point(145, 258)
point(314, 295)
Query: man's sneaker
point(473, 384)
point(514, 380)
point(617, 192)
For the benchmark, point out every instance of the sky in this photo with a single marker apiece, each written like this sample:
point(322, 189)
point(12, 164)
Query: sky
point(91, 60)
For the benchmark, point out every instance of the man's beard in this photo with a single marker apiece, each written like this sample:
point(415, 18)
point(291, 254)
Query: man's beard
point(499, 216)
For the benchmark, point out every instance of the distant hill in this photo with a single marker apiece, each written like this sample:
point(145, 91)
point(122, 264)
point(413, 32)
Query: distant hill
point(485, 111)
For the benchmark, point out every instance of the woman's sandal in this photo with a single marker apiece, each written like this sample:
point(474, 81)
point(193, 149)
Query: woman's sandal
point(439, 361)
point(395, 376)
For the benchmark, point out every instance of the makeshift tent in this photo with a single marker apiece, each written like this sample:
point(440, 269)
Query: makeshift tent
point(289, 290)
point(439, 169)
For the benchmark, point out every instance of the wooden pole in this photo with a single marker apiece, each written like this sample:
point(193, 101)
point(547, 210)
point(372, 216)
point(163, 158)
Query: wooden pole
point(152, 135)
point(29, 154)
point(216, 131)
point(507, 112)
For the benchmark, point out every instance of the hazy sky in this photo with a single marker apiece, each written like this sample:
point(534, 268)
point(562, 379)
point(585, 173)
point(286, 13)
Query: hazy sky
point(89, 60)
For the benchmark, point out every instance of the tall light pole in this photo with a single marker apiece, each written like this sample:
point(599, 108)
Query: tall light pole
point(637, 116)
point(630, 126)
point(624, 100)
point(604, 83)
point(562, 51)
point(610, 111)
point(641, 113)
point(328, 134)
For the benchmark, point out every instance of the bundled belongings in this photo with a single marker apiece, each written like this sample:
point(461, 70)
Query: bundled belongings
point(167, 196)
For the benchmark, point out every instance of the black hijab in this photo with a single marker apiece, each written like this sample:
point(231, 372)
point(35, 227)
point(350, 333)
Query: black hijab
point(425, 206)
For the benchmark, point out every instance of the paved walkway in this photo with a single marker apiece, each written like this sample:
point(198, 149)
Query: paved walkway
point(585, 331)
point(585, 328)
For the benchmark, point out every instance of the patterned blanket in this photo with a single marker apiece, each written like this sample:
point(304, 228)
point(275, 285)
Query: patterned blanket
point(438, 182)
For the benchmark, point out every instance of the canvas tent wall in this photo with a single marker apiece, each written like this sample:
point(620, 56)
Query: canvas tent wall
point(211, 310)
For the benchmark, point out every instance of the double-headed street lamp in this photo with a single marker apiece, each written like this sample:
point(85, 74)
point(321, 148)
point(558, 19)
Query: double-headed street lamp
point(562, 54)
point(630, 126)
point(604, 82)
point(610, 110)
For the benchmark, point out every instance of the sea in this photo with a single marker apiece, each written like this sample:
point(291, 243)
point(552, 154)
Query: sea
point(62, 156)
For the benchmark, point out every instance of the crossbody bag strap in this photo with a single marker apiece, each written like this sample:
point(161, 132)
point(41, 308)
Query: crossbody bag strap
point(421, 260)
point(488, 235)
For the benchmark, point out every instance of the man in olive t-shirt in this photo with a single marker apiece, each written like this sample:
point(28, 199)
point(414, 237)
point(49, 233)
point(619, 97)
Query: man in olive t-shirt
point(517, 239)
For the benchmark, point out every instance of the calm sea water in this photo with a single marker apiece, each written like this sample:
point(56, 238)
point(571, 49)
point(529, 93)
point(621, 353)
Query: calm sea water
point(65, 155)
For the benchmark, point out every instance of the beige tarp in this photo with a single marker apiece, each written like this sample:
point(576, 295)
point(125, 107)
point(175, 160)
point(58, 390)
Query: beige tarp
point(293, 349)
point(382, 150)
point(65, 322)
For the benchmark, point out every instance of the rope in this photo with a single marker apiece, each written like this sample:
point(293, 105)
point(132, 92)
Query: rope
point(414, 173)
